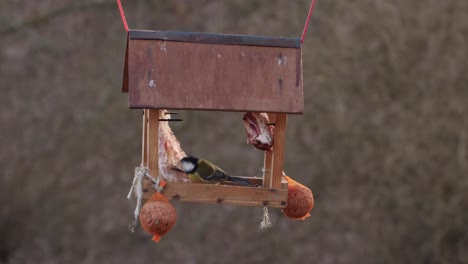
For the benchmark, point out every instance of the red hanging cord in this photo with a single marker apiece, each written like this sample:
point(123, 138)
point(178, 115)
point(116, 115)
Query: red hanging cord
point(307, 21)
point(124, 20)
point(122, 15)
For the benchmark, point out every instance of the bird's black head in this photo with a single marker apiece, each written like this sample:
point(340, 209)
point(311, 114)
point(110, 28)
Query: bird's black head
point(189, 164)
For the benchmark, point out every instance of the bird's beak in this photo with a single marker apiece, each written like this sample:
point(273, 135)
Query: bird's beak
point(177, 169)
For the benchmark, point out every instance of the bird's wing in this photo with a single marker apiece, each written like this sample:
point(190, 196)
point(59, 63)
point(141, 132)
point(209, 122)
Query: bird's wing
point(218, 175)
point(210, 172)
point(205, 169)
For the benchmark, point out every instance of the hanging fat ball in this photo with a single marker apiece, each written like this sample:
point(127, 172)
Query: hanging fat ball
point(300, 200)
point(157, 216)
point(203, 171)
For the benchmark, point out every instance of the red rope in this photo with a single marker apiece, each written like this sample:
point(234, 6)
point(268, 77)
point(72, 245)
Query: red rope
point(307, 21)
point(122, 15)
point(124, 20)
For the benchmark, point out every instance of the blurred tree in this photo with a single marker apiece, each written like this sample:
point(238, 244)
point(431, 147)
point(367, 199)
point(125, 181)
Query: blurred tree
point(383, 142)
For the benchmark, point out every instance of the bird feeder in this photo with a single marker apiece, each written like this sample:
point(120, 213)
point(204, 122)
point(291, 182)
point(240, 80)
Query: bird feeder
point(215, 72)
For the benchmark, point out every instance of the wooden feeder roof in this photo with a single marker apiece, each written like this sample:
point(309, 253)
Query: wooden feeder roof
point(200, 71)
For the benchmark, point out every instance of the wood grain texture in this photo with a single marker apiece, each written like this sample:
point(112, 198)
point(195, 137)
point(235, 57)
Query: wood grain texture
point(182, 75)
point(268, 158)
point(267, 168)
point(278, 150)
point(223, 194)
point(144, 139)
point(153, 139)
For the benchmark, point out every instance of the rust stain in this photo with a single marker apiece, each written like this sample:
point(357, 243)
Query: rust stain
point(280, 84)
point(298, 66)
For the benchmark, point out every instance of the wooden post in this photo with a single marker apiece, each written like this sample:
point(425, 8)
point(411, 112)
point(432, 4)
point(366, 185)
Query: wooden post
point(267, 169)
point(153, 142)
point(268, 159)
point(144, 140)
point(278, 151)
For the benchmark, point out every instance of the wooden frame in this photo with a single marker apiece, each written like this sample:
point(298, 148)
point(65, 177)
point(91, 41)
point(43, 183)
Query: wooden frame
point(199, 71)
point(272, 190)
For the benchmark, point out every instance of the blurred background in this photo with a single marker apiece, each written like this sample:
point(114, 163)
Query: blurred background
point(383, 142)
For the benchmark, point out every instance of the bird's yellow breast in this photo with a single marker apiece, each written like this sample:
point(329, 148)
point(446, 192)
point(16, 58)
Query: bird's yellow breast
point(195, 178)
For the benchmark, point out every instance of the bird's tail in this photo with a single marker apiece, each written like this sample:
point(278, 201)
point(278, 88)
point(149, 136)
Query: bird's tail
point(239, 180)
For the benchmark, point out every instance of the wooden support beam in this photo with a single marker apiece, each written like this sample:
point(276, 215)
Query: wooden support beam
point(153, 142)
point(268, 158)
point(267, 169)
point(144, 139)
point(222, 194)
point(278, 150)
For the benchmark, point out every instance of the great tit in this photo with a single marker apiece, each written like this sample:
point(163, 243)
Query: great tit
point(203, 171)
